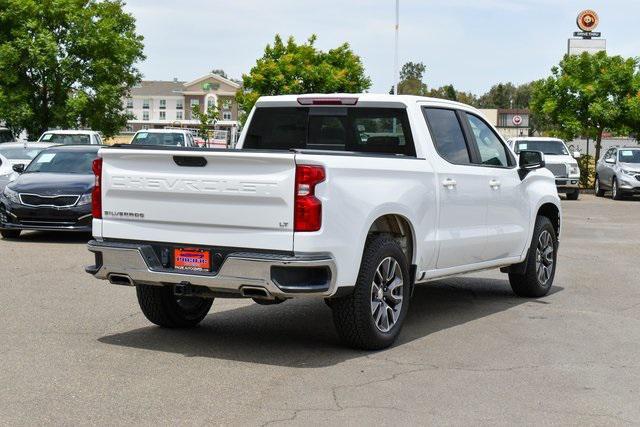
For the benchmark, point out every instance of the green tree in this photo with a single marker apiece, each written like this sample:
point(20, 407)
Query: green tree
point(220, 72)
point(500, 95)
point(291, 68)
point(588, 94)
point(207, 119)
point(450, 92)
point(411, 76)
point(66, 63)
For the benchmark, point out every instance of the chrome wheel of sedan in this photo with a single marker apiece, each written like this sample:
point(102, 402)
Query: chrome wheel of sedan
point(386, 294)
point(544, 257)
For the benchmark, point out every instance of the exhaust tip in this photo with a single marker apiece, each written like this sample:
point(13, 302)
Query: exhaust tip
point(120, 279)
point(255, 292)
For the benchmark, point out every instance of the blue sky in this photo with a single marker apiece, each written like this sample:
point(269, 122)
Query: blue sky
point(471, 44)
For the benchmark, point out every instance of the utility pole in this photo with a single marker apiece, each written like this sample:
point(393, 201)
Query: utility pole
point(395, 59)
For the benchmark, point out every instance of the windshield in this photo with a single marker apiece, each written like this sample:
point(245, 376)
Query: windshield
point(5, 136)
point(629, 156)
point(550, 147)
point(66, 138)
point(78, 162)
point(150, 138)
point(19, 153)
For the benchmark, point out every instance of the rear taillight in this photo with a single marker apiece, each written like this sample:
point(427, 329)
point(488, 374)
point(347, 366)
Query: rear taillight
point(96, 193)
point(307, 214)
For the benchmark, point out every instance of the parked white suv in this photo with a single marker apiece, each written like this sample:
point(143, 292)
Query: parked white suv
point(558, 160)
point(350, 198)
point(71, 137)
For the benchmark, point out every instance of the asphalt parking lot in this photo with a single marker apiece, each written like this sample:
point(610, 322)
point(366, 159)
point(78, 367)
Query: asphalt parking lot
point(75, 350)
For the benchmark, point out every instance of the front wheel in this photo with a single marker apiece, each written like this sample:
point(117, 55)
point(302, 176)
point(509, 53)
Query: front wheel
point(574, 195)
point(10, 234)
point(616, 194)
point(538, 277)
point(372, 316)
point(162, 307)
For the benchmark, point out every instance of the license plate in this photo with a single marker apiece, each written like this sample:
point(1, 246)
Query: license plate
point(192, 259)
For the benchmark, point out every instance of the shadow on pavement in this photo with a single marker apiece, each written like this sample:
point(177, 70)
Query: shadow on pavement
point(52, 237)
point(301, 333)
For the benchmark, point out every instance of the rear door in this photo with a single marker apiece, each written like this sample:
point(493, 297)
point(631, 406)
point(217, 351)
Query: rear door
point(222, 198)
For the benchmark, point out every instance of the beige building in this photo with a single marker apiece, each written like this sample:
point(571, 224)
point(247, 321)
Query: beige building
point(159, 104)
point(510, 122)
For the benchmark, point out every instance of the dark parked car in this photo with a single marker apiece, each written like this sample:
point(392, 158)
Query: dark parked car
point(52, 193)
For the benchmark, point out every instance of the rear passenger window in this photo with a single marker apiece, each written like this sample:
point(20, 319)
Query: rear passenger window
point(371, 130)
point(447, 135)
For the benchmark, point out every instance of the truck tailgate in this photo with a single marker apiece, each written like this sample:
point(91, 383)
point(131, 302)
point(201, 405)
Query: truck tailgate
point(238, 198)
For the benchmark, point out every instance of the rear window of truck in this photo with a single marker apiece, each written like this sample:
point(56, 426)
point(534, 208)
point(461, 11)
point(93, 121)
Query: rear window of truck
point(368, 130)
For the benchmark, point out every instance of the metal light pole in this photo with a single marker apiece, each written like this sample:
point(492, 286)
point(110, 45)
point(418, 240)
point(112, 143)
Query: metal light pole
point(395, 59)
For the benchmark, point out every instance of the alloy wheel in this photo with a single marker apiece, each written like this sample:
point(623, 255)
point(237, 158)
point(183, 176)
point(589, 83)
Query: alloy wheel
point(544, 257)
point(386, 294)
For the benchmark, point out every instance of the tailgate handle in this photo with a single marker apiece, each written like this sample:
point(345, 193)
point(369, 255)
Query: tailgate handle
point(190, 161)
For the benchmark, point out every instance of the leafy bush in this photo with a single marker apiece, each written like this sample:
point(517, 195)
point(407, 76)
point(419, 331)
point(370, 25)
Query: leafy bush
point(587, 171)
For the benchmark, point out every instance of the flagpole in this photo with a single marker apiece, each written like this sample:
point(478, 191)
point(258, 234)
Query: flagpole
point(395, 59)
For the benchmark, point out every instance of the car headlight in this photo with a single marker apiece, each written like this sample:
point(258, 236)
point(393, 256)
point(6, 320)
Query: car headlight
point(574, 169)
point(85, 199)
point(628, 172)
point(11, 195)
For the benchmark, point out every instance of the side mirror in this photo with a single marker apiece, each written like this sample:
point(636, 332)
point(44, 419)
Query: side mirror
point(610, 160)
point(530, 160)
point(18, 168)
point(576, 155)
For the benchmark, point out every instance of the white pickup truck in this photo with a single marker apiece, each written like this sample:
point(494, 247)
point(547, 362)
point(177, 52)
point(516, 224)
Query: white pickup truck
point(350, 198)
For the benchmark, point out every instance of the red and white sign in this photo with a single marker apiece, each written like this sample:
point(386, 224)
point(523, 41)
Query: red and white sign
point(517, 120)
point(587, 20)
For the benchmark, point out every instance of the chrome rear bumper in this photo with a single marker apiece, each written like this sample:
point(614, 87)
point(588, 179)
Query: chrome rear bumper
point(280, 275)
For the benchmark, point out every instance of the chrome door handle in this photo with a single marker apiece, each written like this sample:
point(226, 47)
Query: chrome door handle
point(494, 183)
point(449, 183)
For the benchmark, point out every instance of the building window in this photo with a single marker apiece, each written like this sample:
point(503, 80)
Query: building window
point(130, 103)
point(145, 115)
point(163, 104)
point(163, 115)
point(145, 104)
point(193, 102)
point(179, 105)
point(226, 115)
point(226, 104)
point(178, 115)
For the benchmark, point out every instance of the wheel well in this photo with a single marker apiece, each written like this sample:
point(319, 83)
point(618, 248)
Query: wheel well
point(399, 228)
point(551, 211)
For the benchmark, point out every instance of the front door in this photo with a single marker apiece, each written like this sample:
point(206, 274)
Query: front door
point(461, 230)
point(508, 213)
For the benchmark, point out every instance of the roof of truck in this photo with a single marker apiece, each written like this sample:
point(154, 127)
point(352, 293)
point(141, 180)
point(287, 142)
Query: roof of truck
point(70, 132)
point(288, 100)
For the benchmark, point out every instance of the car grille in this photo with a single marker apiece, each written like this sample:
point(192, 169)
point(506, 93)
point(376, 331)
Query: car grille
point(57, 201)
point(558, 170)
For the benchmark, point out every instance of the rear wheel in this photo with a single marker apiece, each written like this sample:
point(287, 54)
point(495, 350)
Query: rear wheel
point(574, 195)
point(541, 262)
point(10, 234)
point(162, 307)
point(616, 194)
point(599, 191)
point(371, 318)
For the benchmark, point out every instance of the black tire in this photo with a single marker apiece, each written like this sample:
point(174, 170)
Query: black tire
point(597, 189)
point(574, 195)
point(529, 284)
point(162, 307)
point(10, 234)
point(352, 314)
point(616, 194)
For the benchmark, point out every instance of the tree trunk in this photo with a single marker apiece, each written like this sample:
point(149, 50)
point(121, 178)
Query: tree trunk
point(598, 144)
